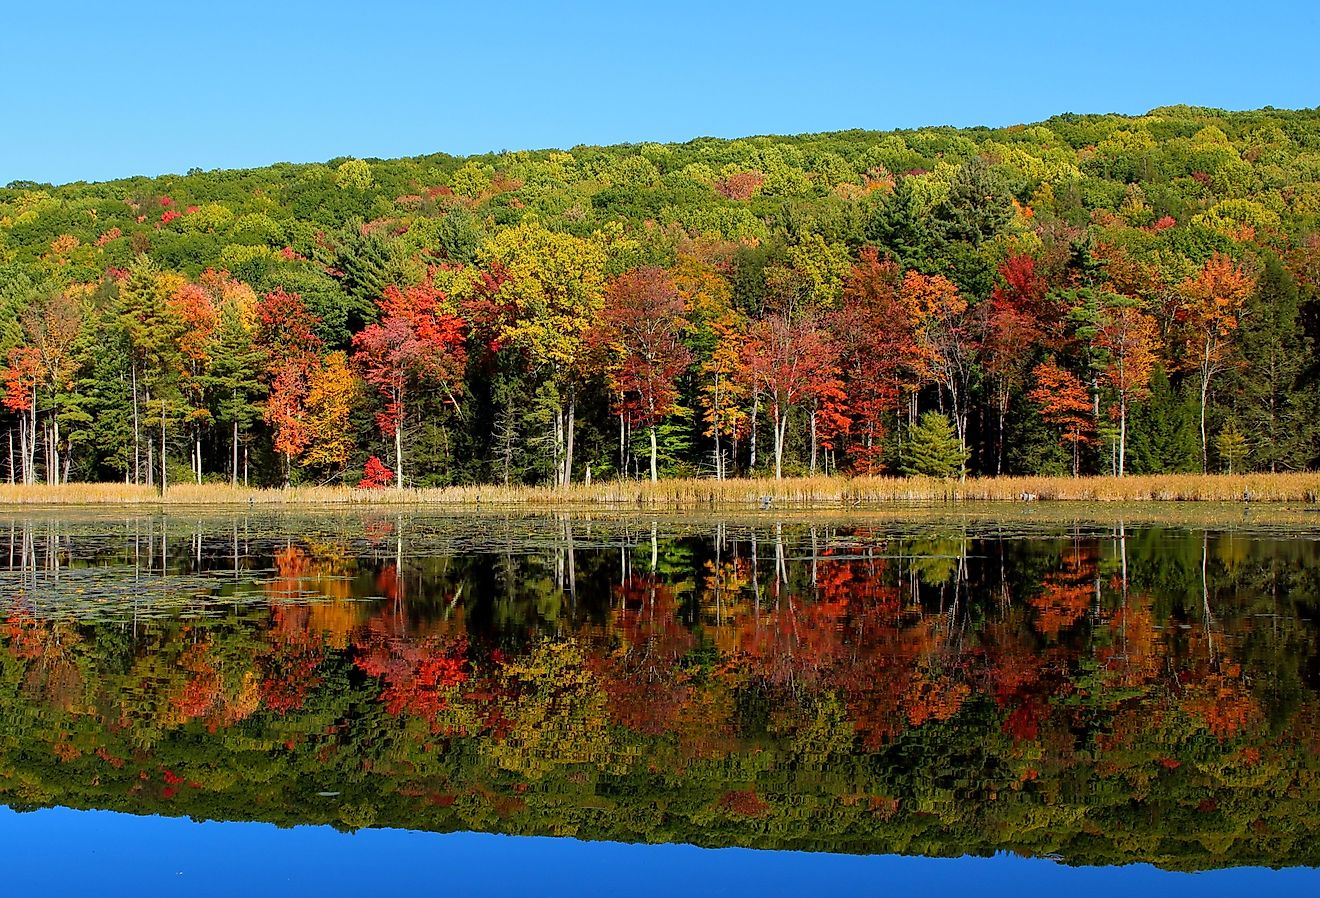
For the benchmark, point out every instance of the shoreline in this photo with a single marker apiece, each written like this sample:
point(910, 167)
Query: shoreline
point(817, 493)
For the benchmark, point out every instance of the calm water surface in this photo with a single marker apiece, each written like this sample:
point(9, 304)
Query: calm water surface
point(561, 703)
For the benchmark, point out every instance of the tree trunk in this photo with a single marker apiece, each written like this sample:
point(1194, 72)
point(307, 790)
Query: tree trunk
point(1122, 435)
point(398, 453)
point(781, 426)
point(719, 455)
point(557, 437)
point(1205, 391)
point(959, 419)
point(654, 476)
point(22, 446)
point(569, 427)
point(999, 443)
point(813, 442)
point(137, 431)
point(151, 450)
point(55, 444)
point(233, 471)
point(756, 411)
point(623, 454)
point(32, 438)
point(163, 474)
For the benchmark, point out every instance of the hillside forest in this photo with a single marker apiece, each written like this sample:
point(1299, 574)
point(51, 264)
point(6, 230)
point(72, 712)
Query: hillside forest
point(1093, 294)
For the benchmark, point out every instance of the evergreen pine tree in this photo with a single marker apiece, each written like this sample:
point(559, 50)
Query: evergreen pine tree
point(234, 382)
point(1271, 397)
point(932, 448)
point(1162, 434)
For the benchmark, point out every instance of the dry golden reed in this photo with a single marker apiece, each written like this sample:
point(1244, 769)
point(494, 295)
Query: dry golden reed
point(802, 492)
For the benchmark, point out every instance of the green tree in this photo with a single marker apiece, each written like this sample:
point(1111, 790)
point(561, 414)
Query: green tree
point(355, 174)
point(1163, 430)
point(152, 329)
point(932, 448)
point(1273, 394)
point(234, 379)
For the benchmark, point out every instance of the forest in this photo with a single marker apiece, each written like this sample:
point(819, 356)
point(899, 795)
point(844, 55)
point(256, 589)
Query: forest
point(1092, 294)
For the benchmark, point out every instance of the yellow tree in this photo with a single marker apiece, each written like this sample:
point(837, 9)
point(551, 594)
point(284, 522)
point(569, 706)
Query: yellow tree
point(725, 388)
point(550, 291)
point(197, 307)
point(719, 332)
point(331, 391)
point(1211, 310)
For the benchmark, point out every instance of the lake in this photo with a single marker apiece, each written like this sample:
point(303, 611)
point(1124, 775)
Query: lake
point(277, 703)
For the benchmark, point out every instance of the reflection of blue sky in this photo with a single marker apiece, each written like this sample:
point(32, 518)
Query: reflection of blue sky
point(61, 852)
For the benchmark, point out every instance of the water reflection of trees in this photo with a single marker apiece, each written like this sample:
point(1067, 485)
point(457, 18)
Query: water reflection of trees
point(868, 689)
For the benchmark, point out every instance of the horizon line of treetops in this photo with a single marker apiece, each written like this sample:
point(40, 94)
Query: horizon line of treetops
point(1092, 294)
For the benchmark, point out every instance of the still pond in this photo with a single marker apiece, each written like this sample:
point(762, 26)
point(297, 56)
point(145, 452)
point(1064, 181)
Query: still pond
point(325, 703)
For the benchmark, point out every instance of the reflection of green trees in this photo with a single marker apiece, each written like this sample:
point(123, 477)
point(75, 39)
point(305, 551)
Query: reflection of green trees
point(918, 698)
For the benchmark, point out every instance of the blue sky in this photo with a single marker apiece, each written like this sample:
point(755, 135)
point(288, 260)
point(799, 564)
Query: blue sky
point(90, 91)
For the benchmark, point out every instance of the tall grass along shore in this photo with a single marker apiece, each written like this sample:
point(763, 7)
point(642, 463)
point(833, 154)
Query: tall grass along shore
point(814, 492)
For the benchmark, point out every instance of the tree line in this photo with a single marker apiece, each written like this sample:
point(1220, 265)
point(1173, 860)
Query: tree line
point(1091, 294)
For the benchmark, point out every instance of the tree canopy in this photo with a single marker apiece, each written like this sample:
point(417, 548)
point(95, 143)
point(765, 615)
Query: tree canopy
point(820, 293)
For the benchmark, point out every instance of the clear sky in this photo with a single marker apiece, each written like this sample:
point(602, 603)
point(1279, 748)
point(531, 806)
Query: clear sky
point(94, 90)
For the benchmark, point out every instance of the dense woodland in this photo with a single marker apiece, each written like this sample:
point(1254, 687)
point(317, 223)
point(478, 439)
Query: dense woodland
point(1091, 294)
point(1098, 698)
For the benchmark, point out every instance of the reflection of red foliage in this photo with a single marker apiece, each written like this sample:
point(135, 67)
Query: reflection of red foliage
point(377, 530)
point(650, 626)
point(293, 566)
point(387, 582)
point(289, 663)
point(795, 643)
point(417, 673)
point(1223, 702)
point(1059, 606)
point(201, 691)
point(934, 698)
point(1023, 722)
point(1067, 592)
point(646, 686)
point(743, 802)
point(24, 635)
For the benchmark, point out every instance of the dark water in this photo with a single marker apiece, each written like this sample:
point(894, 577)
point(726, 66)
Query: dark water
point(861, 701)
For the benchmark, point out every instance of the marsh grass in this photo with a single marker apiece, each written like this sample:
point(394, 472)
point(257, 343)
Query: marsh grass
point(800, 492)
